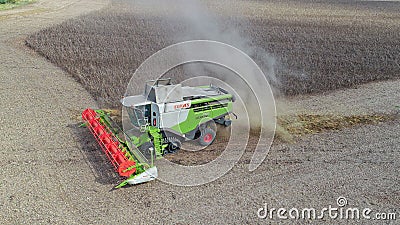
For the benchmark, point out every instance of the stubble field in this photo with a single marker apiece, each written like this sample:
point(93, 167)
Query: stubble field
point(57, 173)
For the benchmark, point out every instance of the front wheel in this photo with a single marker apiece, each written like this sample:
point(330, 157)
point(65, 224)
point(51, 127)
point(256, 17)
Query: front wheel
point(207, 136)
point(173, 146)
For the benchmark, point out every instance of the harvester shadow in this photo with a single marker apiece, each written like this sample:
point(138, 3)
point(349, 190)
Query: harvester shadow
point(101, 167)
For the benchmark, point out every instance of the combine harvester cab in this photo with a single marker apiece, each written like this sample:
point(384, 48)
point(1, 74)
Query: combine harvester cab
point(159, 121)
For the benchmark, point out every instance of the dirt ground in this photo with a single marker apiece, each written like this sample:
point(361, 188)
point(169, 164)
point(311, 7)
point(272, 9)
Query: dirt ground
point(52, 171)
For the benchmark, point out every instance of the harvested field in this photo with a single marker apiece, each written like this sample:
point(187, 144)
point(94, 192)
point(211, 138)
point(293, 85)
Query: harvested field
point(54, 173)
point(311, 47)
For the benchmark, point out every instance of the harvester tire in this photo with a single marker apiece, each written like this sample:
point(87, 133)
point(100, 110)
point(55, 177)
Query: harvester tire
point(207, 137)
point(174, 146)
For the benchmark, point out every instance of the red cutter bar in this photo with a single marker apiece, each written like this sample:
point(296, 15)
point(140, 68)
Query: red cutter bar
point(117, 154)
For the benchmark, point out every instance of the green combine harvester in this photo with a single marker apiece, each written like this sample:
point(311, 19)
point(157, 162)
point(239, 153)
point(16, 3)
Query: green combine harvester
point(160, 120)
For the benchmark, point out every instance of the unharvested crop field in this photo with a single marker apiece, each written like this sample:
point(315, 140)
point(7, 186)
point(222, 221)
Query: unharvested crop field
point(311, 47)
